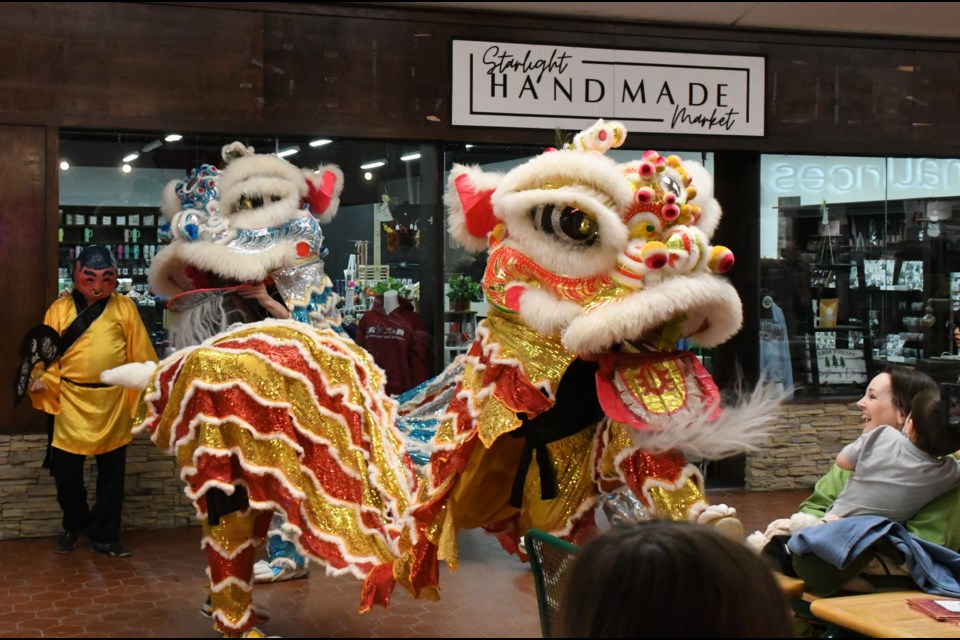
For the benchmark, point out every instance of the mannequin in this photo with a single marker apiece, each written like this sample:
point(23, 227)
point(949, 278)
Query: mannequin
point(394, 335)
point(391, 301)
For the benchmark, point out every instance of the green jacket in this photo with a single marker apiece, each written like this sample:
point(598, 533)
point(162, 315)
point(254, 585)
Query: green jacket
point(938, 522)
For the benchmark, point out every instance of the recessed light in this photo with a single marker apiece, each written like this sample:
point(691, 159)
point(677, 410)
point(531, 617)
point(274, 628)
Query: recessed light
point(321, 142)
point(410, 156)
point(126, 168)
point(150, 146)
point(368, 176)
point(373, 164)
point(64, 165)
point(173, 137)
point(131, 157)
point(289, 151)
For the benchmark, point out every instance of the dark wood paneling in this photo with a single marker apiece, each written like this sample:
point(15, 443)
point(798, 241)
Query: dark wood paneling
point(737, 189)
point(129, 65)
point(356, 71)
point(375, 78)
point(375, 72)
point(27, 287)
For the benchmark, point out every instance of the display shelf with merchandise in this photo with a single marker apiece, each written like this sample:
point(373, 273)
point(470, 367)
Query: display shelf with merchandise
point(131, 234)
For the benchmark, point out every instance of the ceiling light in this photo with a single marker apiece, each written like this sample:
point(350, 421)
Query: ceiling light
point(368, 176)
point(126, 168)
point(130, 158)
point(173, 137)
point(64, 165)
point(373, 164)
point(468, 146)
point(410, 156)
point(321, 142)
point(150, 146)
point(289, 151)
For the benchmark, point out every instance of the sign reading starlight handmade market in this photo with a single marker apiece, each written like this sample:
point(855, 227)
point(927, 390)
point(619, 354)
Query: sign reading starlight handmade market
point(503, 84)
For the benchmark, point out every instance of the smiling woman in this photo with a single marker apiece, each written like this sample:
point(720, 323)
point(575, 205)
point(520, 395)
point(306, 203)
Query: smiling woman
point(886, 402)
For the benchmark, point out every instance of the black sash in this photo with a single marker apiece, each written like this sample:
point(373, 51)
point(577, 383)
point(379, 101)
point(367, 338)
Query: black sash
point(577, 408)
point(86, 315)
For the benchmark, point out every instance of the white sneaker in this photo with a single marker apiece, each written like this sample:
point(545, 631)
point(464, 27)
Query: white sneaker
point(263, 571)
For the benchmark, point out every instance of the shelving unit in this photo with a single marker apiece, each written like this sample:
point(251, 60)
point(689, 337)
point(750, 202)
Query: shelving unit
point(131, 234)
point(875, 289)
point(460, 328)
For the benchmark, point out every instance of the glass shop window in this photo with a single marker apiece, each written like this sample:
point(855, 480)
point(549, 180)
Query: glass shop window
point(384, 235)
point(859, 269)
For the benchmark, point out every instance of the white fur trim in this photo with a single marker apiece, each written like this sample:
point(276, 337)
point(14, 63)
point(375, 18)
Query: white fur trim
point(167, 268)
point(170, 204)
point(589, 171)
point(544, 313)
point(742, 427)
point(756, 541)
point(715, 512)
point(258, 165)
point(700, 297)
point(802, 520)
point(710, 208)
point(327, 215)
point(456, 219)
point(134, 375)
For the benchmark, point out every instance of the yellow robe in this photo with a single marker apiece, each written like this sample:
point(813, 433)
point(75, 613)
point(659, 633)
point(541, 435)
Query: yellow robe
point(91, 421)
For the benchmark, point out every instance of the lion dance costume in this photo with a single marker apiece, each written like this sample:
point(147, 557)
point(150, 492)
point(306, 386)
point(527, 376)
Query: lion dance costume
point(572, 390)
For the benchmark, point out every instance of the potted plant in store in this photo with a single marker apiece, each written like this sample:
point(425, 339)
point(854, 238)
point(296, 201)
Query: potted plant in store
point(462, 290)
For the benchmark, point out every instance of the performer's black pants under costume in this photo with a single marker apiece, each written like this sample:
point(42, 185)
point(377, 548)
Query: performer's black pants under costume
point(102, 523)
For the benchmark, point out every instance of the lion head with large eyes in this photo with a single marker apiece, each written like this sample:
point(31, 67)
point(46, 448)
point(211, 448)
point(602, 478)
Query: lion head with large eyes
point(597, 252)
point(258, 218)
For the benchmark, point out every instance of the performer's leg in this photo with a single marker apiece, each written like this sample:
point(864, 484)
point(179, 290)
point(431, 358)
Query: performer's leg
point(283, 561)
point(108, 507)
point(67, 471)
point(230, 548)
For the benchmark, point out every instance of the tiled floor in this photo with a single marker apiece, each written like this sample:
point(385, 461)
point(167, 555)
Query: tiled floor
point(158, 591)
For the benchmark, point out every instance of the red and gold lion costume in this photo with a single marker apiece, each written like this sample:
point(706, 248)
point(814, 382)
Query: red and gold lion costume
point(572, 389)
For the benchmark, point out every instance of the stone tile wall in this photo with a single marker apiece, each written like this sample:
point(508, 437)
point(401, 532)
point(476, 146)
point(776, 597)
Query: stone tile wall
point(28, 497)
point(805, 447)
point(799, 453)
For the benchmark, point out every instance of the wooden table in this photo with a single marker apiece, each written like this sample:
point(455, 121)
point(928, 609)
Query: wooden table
point(792, 587)
point(882, 615)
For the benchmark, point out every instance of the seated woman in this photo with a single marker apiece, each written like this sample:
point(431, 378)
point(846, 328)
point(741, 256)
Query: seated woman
point(886, 402)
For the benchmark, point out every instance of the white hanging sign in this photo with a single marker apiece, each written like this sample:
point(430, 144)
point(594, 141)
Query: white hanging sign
point(534, 86)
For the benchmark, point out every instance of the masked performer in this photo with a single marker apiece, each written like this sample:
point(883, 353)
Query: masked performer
point(99, 329)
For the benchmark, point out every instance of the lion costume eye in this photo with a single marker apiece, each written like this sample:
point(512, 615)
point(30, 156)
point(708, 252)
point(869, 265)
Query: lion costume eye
point(566, 222)
point(249, 202)
point(672, 182)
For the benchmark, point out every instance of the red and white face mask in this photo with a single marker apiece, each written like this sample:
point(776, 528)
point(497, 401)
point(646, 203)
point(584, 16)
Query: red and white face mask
point(95, 274)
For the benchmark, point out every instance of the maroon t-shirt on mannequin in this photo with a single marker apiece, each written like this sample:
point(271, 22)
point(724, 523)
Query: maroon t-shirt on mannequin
point(398, 343)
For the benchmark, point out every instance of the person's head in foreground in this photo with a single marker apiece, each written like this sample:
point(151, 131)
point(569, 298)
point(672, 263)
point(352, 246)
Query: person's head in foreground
point(666, 579)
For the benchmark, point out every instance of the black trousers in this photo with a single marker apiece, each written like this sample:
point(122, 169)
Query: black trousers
point(102, 522)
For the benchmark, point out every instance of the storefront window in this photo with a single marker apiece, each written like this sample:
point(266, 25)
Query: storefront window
point(387, 228)
point(859, 269)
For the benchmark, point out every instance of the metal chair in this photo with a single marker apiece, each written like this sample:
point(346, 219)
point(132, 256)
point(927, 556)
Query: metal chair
point(549, 558)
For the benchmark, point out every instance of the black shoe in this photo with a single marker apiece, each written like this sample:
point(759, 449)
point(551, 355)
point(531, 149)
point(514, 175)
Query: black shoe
point(113, 549)
point(67, 542)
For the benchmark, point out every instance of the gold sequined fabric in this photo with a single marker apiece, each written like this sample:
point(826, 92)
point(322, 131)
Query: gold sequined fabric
point(300, 417)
